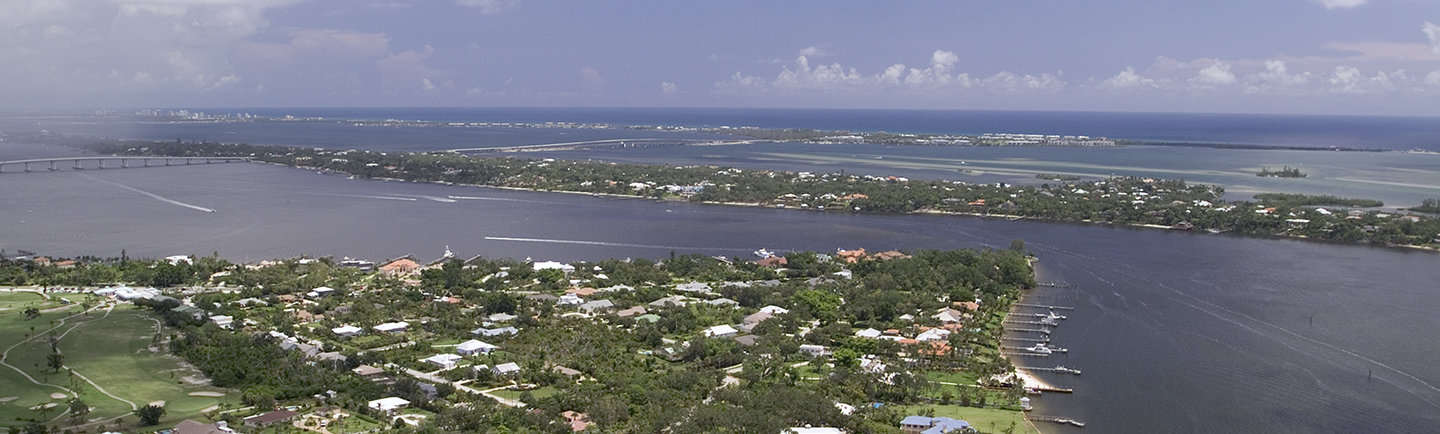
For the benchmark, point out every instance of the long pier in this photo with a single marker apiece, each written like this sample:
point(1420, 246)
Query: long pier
point(1054, 350)
point(1055, 419)
point(1015, 329)
point(1060, 369)
point(99, 162)
point(1045, 339)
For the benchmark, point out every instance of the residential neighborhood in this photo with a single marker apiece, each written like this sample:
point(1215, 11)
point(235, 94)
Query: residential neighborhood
point(865, 340)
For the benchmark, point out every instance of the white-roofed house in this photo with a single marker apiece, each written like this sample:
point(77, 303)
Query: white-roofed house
point(444, 361)
point(347, 331)
point(224, 321)
point(323, 291)
point(693, 287)
point(506, 369)
point(552, 265)
point(502, 331)
point(388, 405)
point(774, 310)
point(869, 333)
point(569, 299)
point(392, 327)
point(720, 331)
point(815, 350)
point(473, 346)
point(935, 334)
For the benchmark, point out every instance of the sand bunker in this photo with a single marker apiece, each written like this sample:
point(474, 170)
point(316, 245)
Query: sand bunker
point(58, 395)
point(209, 409)
point(209, 394)
point(157, 403)
point(9, 398)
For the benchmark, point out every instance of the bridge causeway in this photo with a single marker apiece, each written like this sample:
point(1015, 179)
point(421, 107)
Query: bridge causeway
point(99, 162)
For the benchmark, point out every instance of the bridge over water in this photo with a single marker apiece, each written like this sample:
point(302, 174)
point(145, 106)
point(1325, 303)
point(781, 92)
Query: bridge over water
point(100, 162)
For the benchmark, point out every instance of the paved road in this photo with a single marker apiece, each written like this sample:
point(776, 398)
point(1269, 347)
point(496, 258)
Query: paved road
point(431, 377)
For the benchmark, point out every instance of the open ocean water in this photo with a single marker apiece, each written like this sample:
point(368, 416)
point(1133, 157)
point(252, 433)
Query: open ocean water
point(1176, 332)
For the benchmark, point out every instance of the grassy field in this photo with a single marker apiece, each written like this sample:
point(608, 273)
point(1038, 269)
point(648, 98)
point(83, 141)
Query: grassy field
point(114, 351)
point(543, 392)
point(986, 420)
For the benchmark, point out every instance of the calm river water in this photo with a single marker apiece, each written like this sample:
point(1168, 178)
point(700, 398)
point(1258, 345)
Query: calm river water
point(1176, 332)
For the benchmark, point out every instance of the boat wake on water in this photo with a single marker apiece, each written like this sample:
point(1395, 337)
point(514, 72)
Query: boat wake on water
point(152, 195)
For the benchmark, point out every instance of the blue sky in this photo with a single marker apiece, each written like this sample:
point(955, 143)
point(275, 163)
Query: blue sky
point(1359, 57)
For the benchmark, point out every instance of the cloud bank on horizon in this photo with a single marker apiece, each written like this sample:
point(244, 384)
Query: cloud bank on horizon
point(1317, 56)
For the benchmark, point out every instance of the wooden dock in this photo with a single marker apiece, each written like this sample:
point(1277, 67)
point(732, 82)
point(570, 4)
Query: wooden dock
point(1054, 419)
point(1060, 369)
point(1026, 353)
point(1053, 284)
point(1014, 329)
point(1042, 340)
point(1013, 348)
point(1039, 323)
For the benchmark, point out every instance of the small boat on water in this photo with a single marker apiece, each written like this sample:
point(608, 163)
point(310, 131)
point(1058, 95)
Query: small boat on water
point(1067, 370)
point(1039, 349)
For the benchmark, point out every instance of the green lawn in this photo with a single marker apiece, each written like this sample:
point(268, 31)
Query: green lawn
point(112, 351)
point(986, 420)
point(543, 392)
point(14, 328)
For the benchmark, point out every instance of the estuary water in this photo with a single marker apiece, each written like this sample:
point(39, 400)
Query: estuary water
point(1176, 332)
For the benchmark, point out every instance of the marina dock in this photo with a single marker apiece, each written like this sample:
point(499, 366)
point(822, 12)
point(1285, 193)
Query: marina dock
point(1013, 329)
point(1054, 419)
point(1060, 369)
point(1045, 339)
point(1046, 349)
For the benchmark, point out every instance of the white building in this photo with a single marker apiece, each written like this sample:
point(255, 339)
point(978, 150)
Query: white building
point(552, 265)
point(224, 321)
point(392, 327)
point(389, 405)
point(444, 361)
point(721, 331)
point(347, 331)
point(323, 291)
point(474, 347)
point(506, 369)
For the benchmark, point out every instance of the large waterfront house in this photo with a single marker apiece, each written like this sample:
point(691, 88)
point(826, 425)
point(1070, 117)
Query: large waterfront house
point(932, 425)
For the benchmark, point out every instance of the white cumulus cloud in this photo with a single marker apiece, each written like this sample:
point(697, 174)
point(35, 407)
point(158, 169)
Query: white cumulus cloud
point(1433, 32)
point(1217, 74)
point(668, 88)
point(1128, 78)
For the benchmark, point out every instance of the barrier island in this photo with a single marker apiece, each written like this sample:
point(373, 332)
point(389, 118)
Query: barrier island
point(1163, 203)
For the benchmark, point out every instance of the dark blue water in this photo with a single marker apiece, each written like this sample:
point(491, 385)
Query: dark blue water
point(1378, 132)
point(1393, 132)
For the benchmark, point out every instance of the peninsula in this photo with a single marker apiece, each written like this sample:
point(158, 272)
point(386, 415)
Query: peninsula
point(1162, 203)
